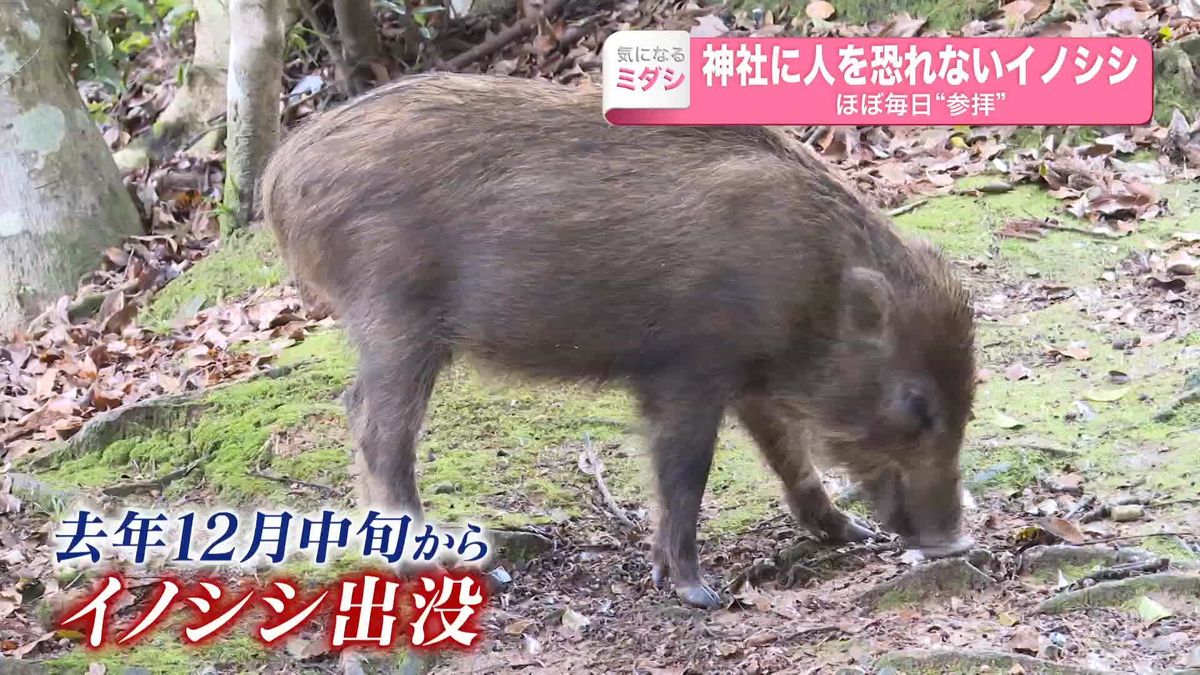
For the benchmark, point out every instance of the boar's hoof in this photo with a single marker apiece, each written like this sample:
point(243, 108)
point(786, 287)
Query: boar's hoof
point(698, 596)
point(960, 545)
point(838, 527)
point(856, 530)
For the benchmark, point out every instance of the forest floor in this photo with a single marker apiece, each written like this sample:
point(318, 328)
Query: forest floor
point(1083, 457)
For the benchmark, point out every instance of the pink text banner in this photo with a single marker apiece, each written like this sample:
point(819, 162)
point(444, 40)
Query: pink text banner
point(670, 78)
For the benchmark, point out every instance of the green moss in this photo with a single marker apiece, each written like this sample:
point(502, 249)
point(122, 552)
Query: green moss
point(947, 15)
point(1049, 575)
point(742, 489)
point(163, 652)
point(1175, 85)
point(899, 597)
point(513, 448)
point(232, 432)
point(1121, 437)
point(966, 226)
point(246, 261)
point(1168, 547)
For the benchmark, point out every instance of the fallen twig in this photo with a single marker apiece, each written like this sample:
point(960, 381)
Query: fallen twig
point(1122, 571)
point(901, 210)
point(500, 40)
point(1121, 591)
point(332, 491)
point(160, 483)
point(767, 524)
point(838, 555)
point(340, 67)
point(1080, 506)
point(1077, 230)
point(1132, 537)
point(1173, 502)
point(1168, 411)
point(596, 473)
point(1034, 443)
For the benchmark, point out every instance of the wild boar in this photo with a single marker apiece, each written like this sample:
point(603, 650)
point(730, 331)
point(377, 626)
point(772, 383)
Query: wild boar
point(706, 269)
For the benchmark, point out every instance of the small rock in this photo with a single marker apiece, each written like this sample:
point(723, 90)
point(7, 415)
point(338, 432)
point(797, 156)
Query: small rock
point(1051, 652)
point(498, 579)
point(131, 158)
point(445, 488)
point(1048, 507)
point(948, 577)
point(1193, 659)
point(981, 558)
point(1024, 639)
point(1181, 263)
point(1127, 512)
point(850, 670)
point(1166, 643)
point(519, 545)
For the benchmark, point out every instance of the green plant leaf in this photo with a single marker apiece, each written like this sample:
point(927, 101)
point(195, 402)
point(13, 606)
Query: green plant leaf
point(1005, 422)
point(1106, 395)
point(1151, 611)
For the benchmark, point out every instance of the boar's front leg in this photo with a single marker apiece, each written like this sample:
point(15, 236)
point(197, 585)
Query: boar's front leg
point(386, 407)
point(786, 454)
point(684, 423)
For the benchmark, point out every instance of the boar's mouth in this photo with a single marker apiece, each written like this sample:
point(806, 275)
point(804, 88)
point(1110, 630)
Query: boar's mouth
point(933, 527)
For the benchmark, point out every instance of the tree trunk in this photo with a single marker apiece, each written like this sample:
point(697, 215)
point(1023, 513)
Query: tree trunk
point(61, 197)
point(254, 88)
point(360, 40)
point(201, 97)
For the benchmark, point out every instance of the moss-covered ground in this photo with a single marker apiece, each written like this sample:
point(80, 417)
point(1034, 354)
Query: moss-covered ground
point(507, 453)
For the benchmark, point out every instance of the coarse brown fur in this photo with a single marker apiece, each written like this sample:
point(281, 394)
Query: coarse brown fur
point(704, 268)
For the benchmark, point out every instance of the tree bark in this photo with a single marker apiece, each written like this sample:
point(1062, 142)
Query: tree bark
point(254, 89)
point(61, 197)
point(360, 40)
point(201, 97)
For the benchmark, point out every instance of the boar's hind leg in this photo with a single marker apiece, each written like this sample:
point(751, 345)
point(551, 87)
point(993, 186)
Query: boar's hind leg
point(684, 433)
point(806, 497)
point(395, 381)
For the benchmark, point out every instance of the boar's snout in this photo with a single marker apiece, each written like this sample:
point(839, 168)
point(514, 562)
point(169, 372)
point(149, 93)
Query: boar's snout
point(924, 506)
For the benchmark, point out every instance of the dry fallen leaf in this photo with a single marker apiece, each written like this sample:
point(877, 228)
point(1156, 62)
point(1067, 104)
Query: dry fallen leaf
point(819, 9)
point(1063, 529)
point(574, 620)
point(1075, 351)
point(517, 627)
point(532, 646)
point(1017, 371)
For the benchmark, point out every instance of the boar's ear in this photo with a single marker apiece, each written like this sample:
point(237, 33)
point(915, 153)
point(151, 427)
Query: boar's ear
point(866, 304)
